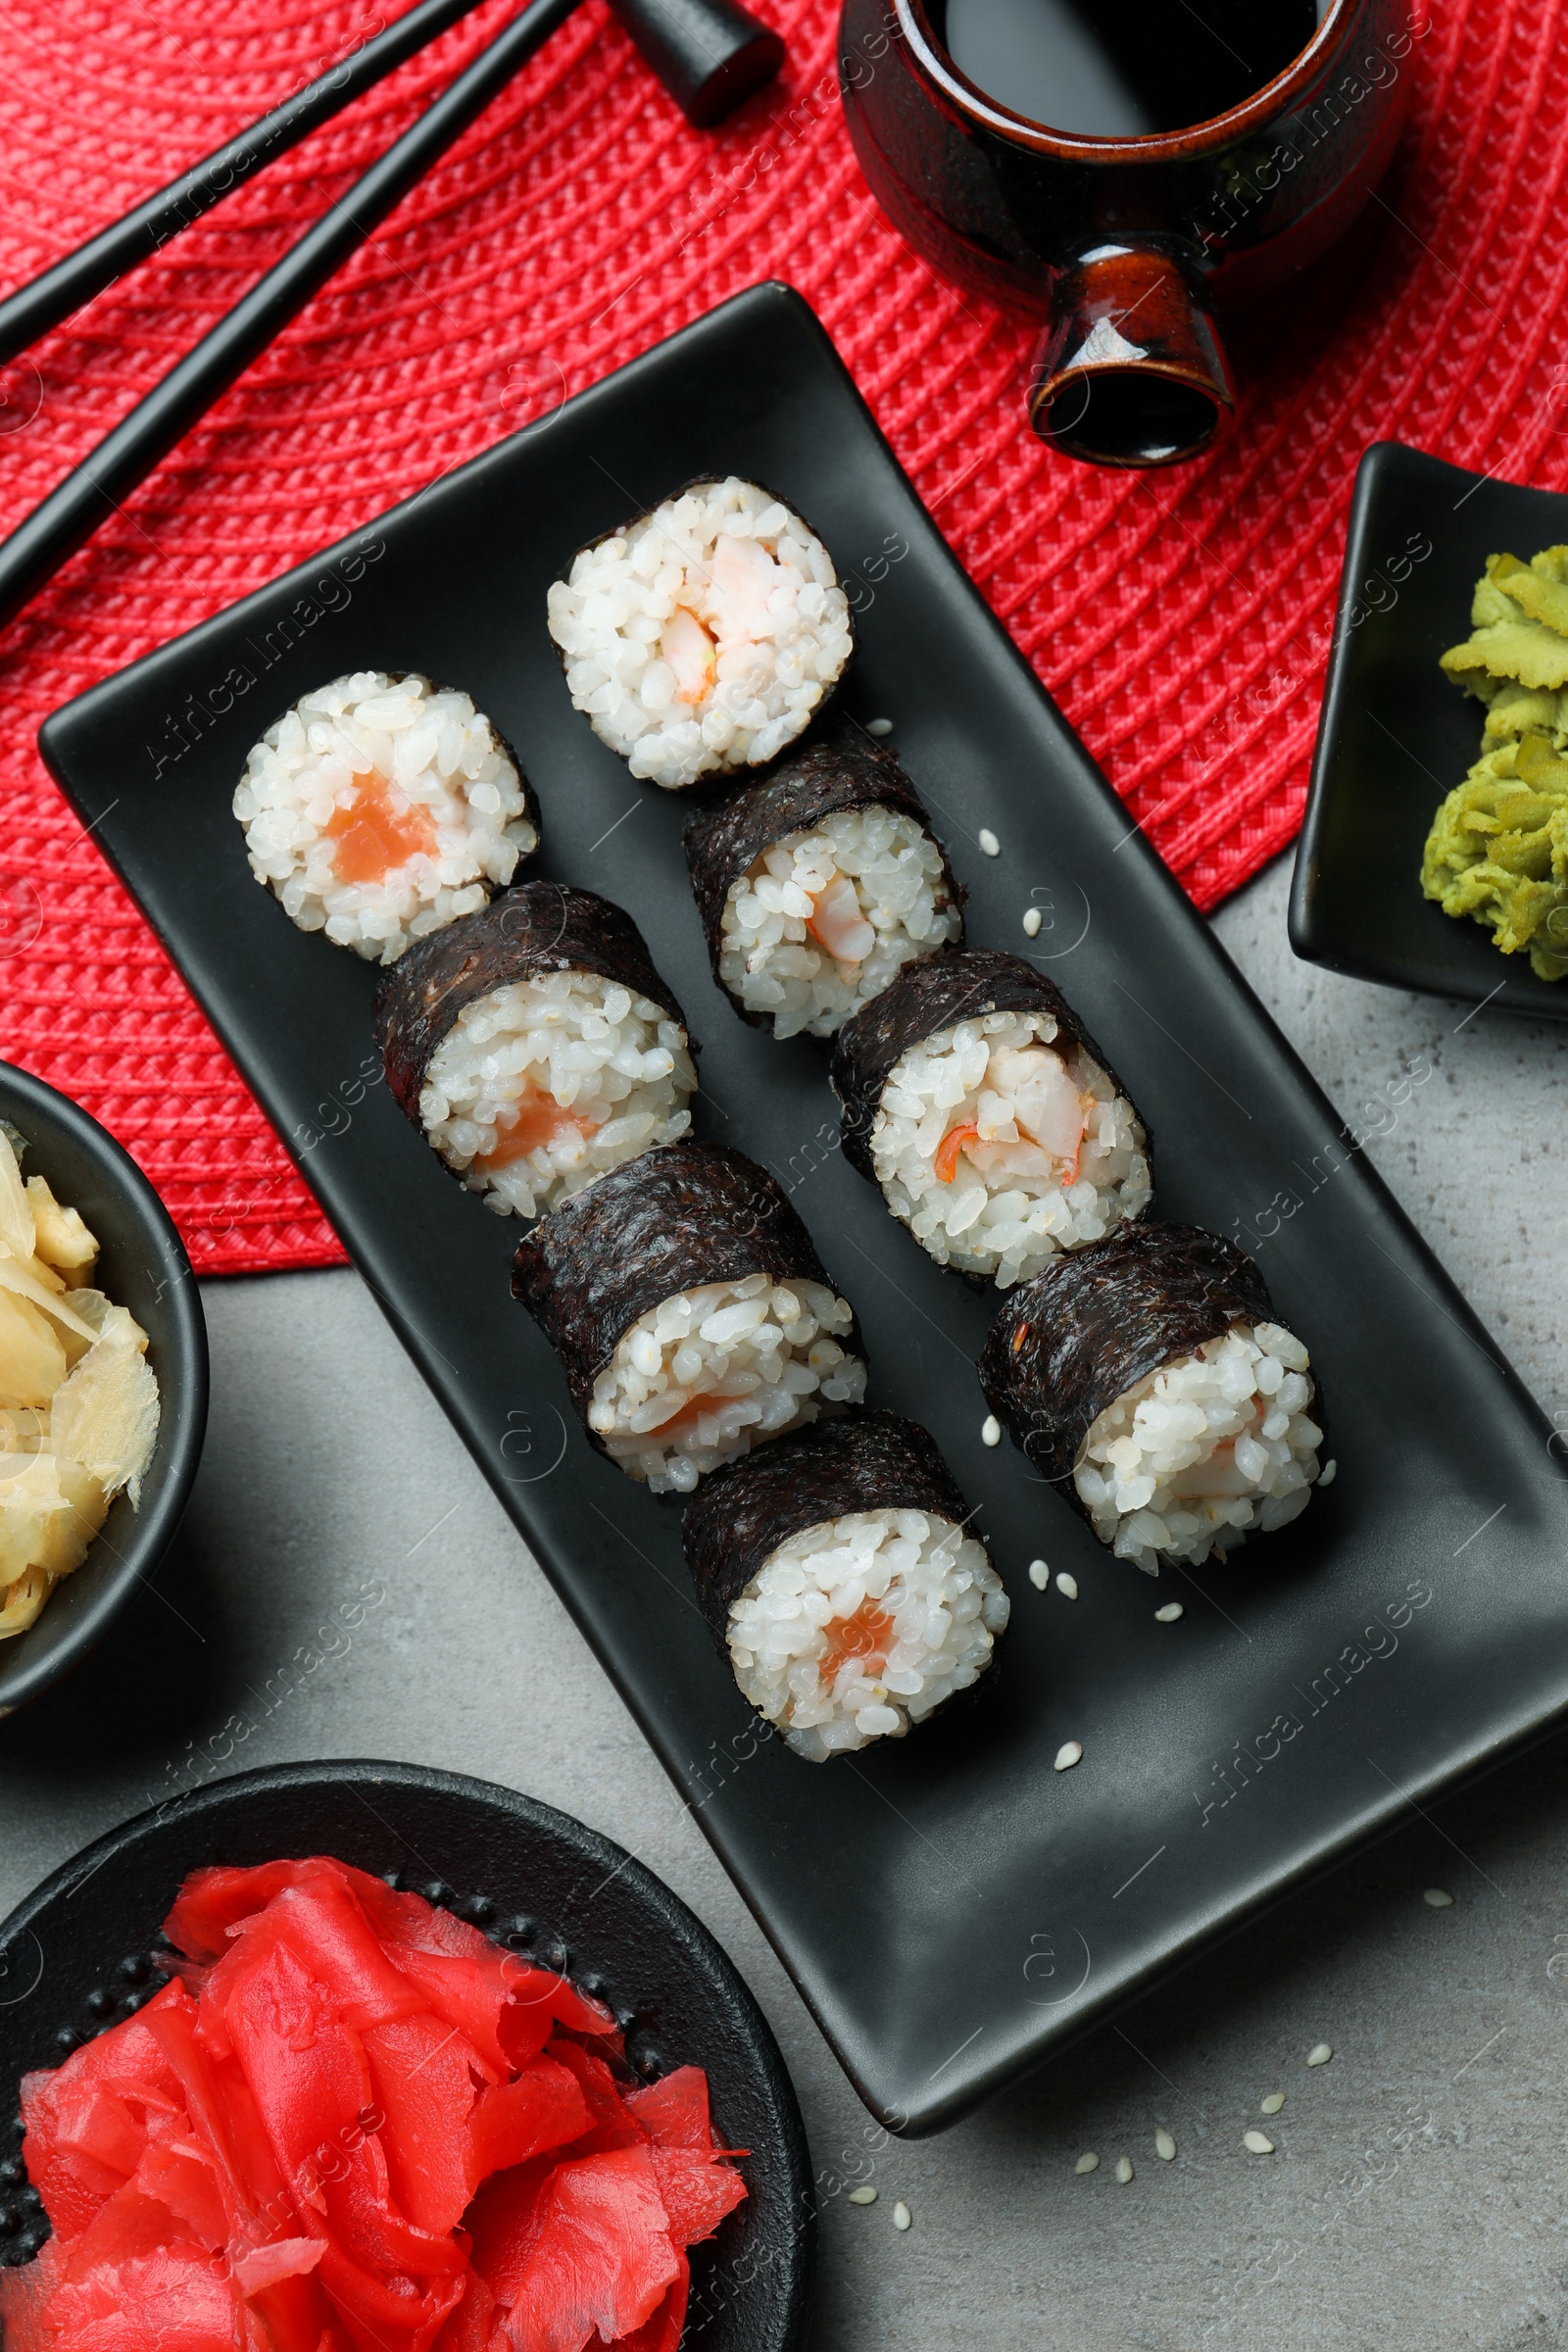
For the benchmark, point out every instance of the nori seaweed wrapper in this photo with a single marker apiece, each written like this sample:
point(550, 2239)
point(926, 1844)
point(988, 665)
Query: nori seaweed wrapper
point(532, 929)
point(675, 1217)
point(959, 985)
point(723, 839)
point(1096, 1321)
point(742, 1513)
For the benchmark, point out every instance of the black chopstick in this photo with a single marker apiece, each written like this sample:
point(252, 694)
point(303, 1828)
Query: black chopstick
point(58, 292)
point(69, 515)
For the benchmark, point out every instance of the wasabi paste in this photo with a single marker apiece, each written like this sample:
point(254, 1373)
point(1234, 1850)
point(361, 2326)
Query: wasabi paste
point(1498, 850)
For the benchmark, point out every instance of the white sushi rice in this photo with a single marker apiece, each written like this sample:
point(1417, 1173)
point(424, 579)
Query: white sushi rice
point(569, 1042)
point(422, 769)
point(1197, 1456)
point(763, 1356)
point(860, 1626)
point(1058, 1158)
point(704, 636)
point(820, 923)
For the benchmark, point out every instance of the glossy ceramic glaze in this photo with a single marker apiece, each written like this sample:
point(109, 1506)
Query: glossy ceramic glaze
point(1129, 250)
point(953, 1907)
point(142, 1266)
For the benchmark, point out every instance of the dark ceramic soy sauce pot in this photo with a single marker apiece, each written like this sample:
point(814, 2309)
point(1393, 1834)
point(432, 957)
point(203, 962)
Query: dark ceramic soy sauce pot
point(1132, 250)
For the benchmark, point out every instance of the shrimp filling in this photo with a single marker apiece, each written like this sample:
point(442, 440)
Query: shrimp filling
point(711, 1373)
point(998, 1146)
point(702, 638)
point(820, 923)
point(545, 1084)
point(380, 808)
point(1204, 1452)
point(856, 1629)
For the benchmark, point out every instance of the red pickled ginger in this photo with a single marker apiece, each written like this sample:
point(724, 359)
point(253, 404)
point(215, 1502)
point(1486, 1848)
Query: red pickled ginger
point(353, 2124)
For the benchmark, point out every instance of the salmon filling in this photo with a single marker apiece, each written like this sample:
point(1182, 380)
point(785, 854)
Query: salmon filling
point(1204, 1452)
point(374, 836)
point(381, 808)
point(711, 1372)
point(545, 1084)
point(862, 1625)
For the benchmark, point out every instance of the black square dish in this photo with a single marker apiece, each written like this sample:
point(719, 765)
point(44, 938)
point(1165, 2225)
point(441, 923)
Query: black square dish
point(952, 1907)
point(1395, 735)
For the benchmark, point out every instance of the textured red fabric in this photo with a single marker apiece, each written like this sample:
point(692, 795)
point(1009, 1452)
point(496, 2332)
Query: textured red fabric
point(1181, 619)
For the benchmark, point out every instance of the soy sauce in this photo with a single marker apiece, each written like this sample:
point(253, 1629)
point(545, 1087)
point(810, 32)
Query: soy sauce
point(1121, 69)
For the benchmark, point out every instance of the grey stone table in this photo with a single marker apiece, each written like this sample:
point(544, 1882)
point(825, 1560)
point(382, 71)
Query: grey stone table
point(1418, 2192)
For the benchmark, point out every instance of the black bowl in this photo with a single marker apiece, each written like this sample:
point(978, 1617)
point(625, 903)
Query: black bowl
point(77, 1955)
point(1395, 736)
point(143, 1266)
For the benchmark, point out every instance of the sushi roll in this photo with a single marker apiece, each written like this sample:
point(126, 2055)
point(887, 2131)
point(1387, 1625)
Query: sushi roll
point(1150, 1375)
point(700, 638)
point(535, 1046)
point(837, 1578)
point(691, 1314)
point(817, 884)
point(973, 1095)
point(381, 808)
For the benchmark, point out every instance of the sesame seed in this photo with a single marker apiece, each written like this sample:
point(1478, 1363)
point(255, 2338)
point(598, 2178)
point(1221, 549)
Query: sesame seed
point(1257, 2144)
point(901, 2216)
point(1327, 1475)
point(1319, 2055)
point(1439, 1898)
point(1272, 2104)
point(1032, 920)
point(1087, 2164)
point(1068, 1756)
point(1124, 2170)
point(1164, 2145)
point(1169, 1613)
point(1066, 1586)
point(988, 842)
point(990, 1430)
point(1039, 1576)
point(879, 727)
point(862, 2196)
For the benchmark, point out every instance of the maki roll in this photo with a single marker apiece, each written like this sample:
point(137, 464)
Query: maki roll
point(837, 1578)
point(701, 638)
point(1150, 1374)
point(690, 1312)
point(975, 1097)
point(535, 1046)
point(382, 808)
point(817, 884)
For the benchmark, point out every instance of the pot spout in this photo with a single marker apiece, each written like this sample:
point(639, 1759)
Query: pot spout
point(1130, 369)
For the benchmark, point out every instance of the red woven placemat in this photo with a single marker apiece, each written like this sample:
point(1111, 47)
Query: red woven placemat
point(1181, 619)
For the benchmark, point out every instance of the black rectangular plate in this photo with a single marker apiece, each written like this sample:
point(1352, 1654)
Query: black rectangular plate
point(1395, 735)
point(952, 1907)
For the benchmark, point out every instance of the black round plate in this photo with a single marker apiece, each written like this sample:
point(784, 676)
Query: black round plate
point(142, 1266)
point(75, 1956)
